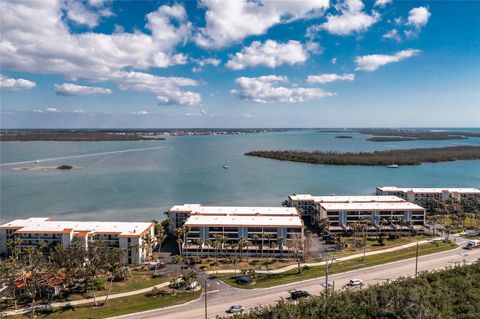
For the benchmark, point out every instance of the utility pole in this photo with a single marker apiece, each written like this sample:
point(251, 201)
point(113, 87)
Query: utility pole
point(206, 313)
point(326, 277)
point(416, 260)
point(364, 248)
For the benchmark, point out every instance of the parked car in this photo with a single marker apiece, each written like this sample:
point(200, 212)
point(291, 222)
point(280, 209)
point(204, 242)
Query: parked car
point(235, 309)
point(325, 237)
point(472, 232)
point(330, 241)
point(355, 282)
point(159, 265)
point(244, 280)
point(297, 294)
point(472, 244)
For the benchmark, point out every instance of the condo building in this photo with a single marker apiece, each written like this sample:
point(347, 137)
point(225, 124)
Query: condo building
point(240, 230)
point(34, 231)
point(379, 216)
point(423, 196)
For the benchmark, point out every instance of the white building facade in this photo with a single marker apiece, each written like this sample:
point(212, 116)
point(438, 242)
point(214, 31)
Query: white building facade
point(273, 231)
point(423, 196)
point(33, 231)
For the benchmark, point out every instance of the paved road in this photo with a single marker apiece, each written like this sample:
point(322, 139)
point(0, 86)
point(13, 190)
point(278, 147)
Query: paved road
point(221, 296)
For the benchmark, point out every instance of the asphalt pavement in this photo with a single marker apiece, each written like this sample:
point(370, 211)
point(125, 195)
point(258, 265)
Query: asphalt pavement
point(221, 296)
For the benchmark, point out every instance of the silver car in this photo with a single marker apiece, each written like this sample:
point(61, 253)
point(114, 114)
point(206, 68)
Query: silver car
point(236, 309)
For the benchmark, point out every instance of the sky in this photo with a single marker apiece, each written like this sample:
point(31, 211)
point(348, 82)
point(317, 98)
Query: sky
point(238, 63)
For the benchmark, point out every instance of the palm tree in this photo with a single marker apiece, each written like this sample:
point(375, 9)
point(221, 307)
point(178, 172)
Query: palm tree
point(256, 241)
point(269, 237)
point(433, 220)
point(324, 224)
point(147, 244)
point(181, 232)
point(242, 243)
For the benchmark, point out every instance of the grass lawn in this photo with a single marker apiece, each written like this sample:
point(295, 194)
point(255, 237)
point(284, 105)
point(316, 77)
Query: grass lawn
point(264, 281)
point(117, 307)
point(137, 280)
point(372, 244)
point(469, 222)
point(276, 263)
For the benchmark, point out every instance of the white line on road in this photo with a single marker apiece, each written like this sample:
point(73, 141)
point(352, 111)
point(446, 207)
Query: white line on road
point(85, 155)
point(211, 292)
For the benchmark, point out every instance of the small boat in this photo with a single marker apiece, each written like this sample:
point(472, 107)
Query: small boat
point(393, 166)
point(225, 166)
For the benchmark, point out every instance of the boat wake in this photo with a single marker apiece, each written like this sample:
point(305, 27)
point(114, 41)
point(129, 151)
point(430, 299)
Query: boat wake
point(83, 155)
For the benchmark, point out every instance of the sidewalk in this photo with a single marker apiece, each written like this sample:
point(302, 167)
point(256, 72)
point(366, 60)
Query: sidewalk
point(99, 299)
point(321, 263)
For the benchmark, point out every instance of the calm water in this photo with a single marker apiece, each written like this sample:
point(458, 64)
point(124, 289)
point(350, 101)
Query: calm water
point(140, 185)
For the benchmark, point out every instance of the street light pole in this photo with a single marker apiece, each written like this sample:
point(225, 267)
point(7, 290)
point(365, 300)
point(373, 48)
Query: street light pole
point(206, 313)
point(416, 260)
point(326, 277)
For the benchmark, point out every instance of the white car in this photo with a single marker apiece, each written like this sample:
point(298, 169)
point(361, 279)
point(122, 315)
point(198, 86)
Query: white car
point(355, 282)
point(236, 309)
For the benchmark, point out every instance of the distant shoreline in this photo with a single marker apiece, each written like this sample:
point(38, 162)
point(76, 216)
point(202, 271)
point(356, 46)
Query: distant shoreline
point(117, 135)
point(398, 135)
point(378, 158)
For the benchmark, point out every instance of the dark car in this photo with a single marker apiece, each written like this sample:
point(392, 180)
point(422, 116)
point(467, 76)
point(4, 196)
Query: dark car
point(330, 241)
point(297, 294)
point(157, 266)
point(244, 280)
point(328, 237)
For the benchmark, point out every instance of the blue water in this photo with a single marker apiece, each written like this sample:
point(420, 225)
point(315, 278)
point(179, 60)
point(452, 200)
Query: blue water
point(141, 185)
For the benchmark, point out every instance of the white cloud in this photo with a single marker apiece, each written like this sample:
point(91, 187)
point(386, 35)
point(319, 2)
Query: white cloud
point(46, 45)
point(418, 17)
point(204, 62)
point(230, 22)
point(266, 89)
point(70, 89)
point(374, 61)
point(382, 3)
point(10, 84)
point(351, 20)
point(334, 61)
point(392, 35)
point(208, 61)
point(52, 110)
point(330, 77)
point(270, 54)
point(167, 89)
point(78, 13)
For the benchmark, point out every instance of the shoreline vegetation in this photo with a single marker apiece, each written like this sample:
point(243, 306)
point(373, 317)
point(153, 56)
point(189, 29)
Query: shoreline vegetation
point(394, 135)
point(414, 156)
point(117, 134)
point(343, 136)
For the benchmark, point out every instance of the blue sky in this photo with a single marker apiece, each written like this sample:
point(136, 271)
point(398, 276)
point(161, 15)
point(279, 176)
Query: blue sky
point(313, 63)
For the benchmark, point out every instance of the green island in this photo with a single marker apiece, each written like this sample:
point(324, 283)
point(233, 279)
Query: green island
point(414, 156)
point(450, 293)
point(393, 135)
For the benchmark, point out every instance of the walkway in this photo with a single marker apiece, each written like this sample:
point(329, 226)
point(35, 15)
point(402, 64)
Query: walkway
point(321, 263)
point(99, 299)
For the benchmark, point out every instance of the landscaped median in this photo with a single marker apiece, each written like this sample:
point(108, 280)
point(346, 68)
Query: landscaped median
point(265, 280)
point(116, 307)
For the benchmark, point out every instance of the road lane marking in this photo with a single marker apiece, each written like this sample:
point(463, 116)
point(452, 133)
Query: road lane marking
point(211, 292)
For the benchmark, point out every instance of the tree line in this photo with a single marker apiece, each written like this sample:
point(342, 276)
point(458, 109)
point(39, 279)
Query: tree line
point(378, 158)
point(445, 294)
